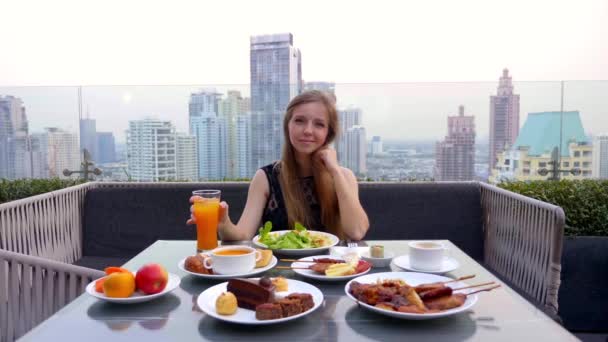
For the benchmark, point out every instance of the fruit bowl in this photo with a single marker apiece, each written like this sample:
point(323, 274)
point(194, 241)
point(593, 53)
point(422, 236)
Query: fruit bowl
point(137, 296)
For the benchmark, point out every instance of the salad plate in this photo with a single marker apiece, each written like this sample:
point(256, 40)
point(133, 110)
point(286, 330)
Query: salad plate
point(297, 242)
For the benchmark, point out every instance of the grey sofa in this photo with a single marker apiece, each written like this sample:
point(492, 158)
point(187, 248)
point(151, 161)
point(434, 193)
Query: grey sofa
point(98, 224)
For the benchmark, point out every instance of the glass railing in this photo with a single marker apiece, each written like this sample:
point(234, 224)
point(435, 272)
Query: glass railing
point(389, 132)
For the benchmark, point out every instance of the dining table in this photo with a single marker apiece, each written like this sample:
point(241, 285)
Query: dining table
point(499, 315)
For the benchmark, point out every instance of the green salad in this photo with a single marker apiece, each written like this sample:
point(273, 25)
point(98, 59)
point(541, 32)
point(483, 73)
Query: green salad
point(298, 238)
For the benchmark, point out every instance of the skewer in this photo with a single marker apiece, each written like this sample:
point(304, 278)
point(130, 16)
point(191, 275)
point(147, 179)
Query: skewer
point(459, 279)
point(316, 262)
point(487, 289)
point(470, 286)
point(291, 268)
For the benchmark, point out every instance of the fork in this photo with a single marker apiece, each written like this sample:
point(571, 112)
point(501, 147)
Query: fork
point(352, 244)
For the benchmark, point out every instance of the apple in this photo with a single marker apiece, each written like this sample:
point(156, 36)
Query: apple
point(151, 278)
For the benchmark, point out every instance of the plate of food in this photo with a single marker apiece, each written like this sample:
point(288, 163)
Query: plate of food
point(414, 296)
point(326, 268)
point(296, 242)
point(125, 287)
point(194, 265)
point(259, 301)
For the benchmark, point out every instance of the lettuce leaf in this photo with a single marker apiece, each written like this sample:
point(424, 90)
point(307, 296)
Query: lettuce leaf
point(296, 239)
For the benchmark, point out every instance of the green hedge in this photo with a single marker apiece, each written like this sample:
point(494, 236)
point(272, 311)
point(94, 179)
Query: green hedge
point(11, 190)
point(584, 202)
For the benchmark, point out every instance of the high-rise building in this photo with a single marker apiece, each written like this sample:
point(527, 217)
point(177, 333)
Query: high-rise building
point(231, 109)
point(276, 78)
point(347, 118)
point(106, 148)
point(532, 151)
point(241, 163)
point(88, 137)
point(455, 155)
point(151, 150)
point(38, 156)
point(600, 156)
point(211, 134)
point(376, 145)
point(13, 124)
point(356, 150)
point(204, 102)
point(185, 157)
point(61, 151)
point(504, 118)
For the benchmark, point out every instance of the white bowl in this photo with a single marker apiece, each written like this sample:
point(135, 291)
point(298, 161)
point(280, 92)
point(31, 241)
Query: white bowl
point(378, 262)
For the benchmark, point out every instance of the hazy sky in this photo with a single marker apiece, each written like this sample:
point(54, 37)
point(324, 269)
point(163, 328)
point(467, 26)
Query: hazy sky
point(109, 42)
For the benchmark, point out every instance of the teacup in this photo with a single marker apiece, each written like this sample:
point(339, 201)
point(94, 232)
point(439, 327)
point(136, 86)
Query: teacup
point(426, 255)
point(232, 259)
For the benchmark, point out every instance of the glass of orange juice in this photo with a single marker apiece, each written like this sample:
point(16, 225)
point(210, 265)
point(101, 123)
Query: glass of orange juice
point(206, 212)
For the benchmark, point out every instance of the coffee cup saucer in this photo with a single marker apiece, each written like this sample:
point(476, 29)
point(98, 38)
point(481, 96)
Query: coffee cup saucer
point(448, 264)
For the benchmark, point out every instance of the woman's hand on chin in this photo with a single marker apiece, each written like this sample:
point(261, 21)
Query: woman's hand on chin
point(328, 157)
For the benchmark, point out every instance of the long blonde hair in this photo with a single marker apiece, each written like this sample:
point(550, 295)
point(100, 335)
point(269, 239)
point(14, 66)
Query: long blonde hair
point(295, 202)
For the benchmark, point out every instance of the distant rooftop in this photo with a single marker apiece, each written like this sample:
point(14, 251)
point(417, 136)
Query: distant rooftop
point(541, 131)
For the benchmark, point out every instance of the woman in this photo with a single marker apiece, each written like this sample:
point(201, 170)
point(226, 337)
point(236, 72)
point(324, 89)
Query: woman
point(307, 185)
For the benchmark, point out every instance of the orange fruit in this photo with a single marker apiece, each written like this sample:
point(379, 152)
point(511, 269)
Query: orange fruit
point(99, 284)
point(114, 269)
point(119, 285)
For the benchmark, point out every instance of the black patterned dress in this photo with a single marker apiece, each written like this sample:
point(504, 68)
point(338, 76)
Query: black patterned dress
point(275, 210)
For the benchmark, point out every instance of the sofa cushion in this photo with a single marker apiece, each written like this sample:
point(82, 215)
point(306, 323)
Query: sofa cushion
point(402, 211)
point(121, 222)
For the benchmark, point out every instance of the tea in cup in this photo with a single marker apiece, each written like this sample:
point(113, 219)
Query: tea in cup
point(426, 255)
point(232, 259)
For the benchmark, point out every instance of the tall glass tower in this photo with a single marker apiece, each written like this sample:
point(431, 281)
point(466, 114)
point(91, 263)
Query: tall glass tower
point(276, 77)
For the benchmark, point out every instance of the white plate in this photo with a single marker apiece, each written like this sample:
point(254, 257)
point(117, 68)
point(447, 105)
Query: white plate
point(271, 264)
point(314, 275)
point(413, 279)
point(448, 264)
point(138, 296)
point(378, 262)
point(206, 301)
point(300, 251)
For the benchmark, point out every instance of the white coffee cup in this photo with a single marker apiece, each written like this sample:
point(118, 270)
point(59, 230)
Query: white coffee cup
point(426, 255)
point(232, 259)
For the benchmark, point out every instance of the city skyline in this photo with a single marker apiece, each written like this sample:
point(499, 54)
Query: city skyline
point(414, 108)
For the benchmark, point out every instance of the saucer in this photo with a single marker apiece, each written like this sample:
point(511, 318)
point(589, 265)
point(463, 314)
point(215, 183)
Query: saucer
point(447, 265)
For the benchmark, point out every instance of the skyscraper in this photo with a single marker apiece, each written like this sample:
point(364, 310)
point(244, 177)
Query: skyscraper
point(13, 127)
point(356, 150)
point(376, 145)
point(504, 118)
point(455, 156)
point(61, 151)
point(276, 77)
point(232, 109)
point(151, 150)
point(106, 148)
point(600, 156)
point(242, 157)
point(186, 165)
point(211, 134)
point(347, 118)
point(88, 137)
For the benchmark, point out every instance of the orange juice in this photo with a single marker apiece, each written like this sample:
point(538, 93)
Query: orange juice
point(206, 212)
